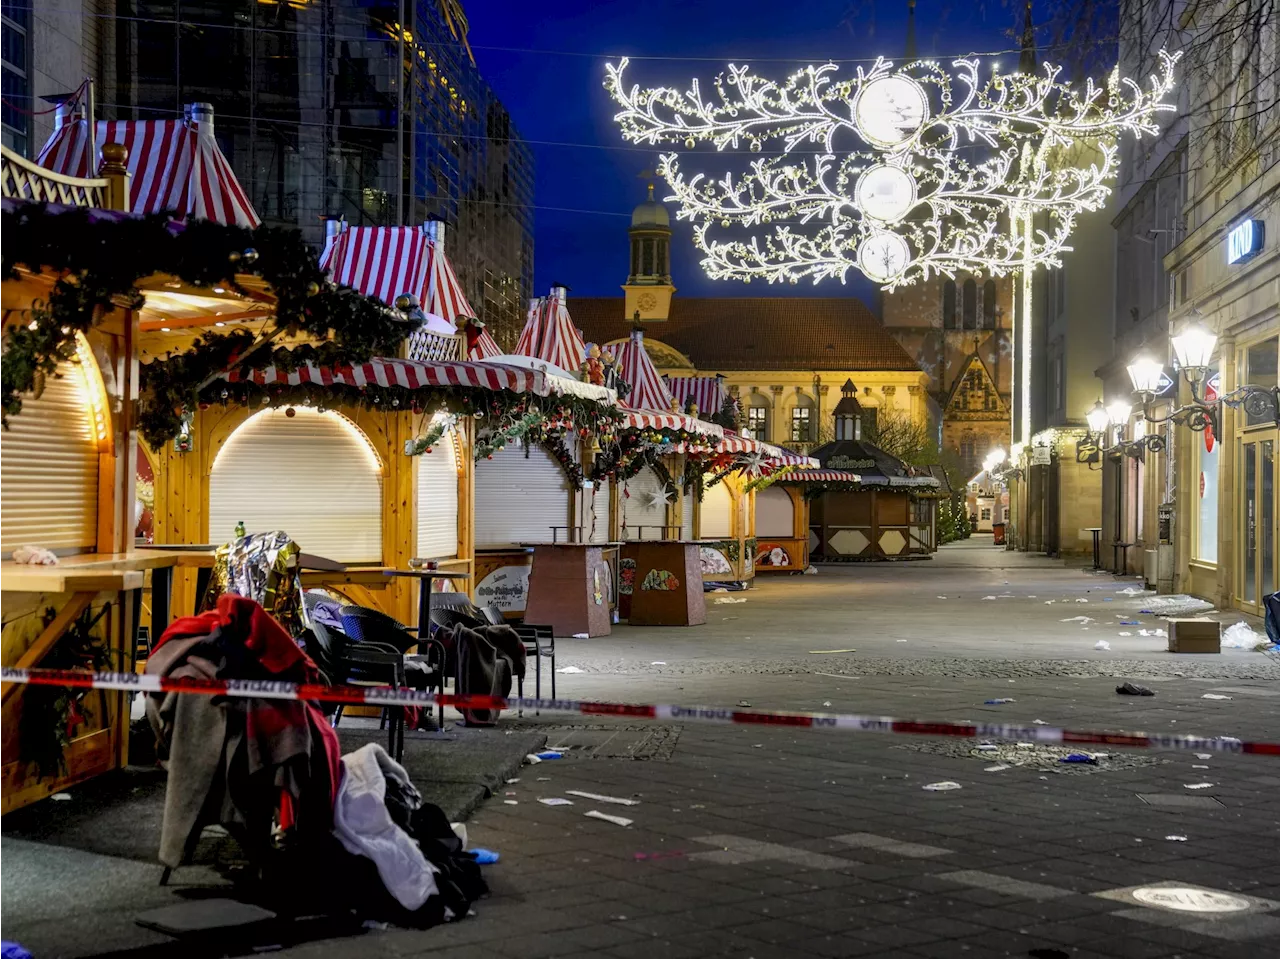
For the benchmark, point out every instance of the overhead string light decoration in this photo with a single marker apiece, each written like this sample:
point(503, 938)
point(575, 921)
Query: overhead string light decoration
point(913, 171)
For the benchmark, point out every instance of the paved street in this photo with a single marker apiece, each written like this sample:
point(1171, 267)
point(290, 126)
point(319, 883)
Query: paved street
point(762, 842)
point(770, 842)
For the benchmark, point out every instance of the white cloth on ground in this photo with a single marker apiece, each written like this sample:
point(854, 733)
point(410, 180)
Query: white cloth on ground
point(365, 827)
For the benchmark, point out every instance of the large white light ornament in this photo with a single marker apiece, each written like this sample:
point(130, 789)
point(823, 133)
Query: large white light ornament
point(889, 111)
point(978, 159)
point(886, 193)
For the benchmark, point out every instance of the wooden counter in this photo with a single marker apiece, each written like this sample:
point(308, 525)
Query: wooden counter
point(569, 588)
point(666, 586)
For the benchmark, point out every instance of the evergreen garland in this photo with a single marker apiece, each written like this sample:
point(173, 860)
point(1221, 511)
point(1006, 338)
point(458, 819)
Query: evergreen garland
point(555, 444)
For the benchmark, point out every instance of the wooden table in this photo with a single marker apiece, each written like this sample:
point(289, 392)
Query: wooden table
point(425, 576)
point(667, 589)
point(569, 588)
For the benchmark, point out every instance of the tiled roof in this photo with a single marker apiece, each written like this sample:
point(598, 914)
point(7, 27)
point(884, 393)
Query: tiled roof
point(756, 333)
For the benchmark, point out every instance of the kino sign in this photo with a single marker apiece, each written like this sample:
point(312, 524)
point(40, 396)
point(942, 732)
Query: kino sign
point(1244, 242)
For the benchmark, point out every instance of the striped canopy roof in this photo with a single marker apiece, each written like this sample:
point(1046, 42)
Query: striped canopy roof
point(708, 392)
point(648, 390)
point(174, 165)
point(549, 333)
point(407, 374)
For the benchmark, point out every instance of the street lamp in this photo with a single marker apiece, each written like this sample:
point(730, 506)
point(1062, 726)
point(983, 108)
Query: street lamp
point(1147, 376)
point(1114, 416)
point(1194, 348)
point(1098, 418)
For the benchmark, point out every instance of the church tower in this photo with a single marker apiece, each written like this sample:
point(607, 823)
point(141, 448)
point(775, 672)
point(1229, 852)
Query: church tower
point(648, 288)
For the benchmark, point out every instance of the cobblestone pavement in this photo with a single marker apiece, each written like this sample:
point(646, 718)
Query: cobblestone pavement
point(764, 842)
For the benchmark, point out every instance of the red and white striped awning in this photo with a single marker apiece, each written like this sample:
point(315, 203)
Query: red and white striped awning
point(175, 166)
point(486, 347)
point(654, 420)
point(708, 392)
point(549, 333)
point(407, 374)
point(648, 391)
point(823, 476)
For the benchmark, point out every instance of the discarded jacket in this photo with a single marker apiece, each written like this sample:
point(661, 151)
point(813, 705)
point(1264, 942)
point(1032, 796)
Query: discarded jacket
point(236, 761)
point(484, 658)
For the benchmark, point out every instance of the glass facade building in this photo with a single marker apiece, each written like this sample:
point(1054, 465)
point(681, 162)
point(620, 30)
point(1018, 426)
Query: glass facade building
point(15, 57)
point(318, 120)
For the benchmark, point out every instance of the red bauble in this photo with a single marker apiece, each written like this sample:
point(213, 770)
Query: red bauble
point(291, 412)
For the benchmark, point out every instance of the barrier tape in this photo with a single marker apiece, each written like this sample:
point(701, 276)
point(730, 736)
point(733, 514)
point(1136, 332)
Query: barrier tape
point(389, 696)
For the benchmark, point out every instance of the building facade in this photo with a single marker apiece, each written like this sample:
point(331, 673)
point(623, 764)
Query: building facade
point(958, 330)
point(784, 358)
point(329, 108)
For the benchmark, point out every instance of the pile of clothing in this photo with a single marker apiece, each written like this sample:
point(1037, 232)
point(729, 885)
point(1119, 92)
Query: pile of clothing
point(484, 660)
point(270, 773)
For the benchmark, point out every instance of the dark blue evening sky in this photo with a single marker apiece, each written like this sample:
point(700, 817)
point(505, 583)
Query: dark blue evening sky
point(587, 180)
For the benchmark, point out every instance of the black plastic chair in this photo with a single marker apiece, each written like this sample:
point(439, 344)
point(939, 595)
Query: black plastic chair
point(377, 650)
point(539, 642)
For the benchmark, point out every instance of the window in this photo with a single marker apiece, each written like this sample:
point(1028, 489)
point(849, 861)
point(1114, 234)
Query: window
point(758, 422)
point(800, 424)
point(1260, 370)
point(949, 305)
point(16, 81)
point(986, 512)
point(970, 305)
point(989, 305)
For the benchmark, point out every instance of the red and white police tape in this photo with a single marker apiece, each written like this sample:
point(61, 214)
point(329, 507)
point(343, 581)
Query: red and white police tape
point(387, 696)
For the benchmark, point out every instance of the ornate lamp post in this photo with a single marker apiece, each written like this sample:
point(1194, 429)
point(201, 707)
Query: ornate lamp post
point(1106, 434)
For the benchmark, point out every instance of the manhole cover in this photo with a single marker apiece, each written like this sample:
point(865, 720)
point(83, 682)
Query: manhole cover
point(1179, 801)
point(1188, 899)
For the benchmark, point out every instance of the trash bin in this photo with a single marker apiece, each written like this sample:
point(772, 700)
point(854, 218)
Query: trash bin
point(997, 534)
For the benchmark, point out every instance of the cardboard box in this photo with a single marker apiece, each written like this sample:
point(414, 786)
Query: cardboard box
point(1199, 635)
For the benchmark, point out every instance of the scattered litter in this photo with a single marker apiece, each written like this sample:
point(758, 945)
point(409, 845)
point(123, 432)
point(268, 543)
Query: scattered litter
point(579, 636)
point(373, 924)
point(1133, 591)
point(1133, 689)
point(988, 747)
point(60, 797)
point(811, 571)
point(511, 792)
point(556, 801)
point(599, 798)
point(901, 640)
point(943, 786)
point(1176, 838)
point(743, 702)
point(998, 702)
point(658, 662)
point(726, 600)
point(1198, 766)
point(511, 802)
point(544, 779)
point(988, 597)
point(1050, 602)
point(826, 702)
point(1082, 601)
point(1102, 644)
point(485, 857)
point(1078, 619)
point(1204, 755)
point(510, 781)
point(652, 856)
point(1240, 636)
point(616, 820)
point(1108, 599)
point(1214, 696)
point(1125, 633)
point(549, 754)
point(823, 652)
point(532, 760)
point(1198, 785)
point(1178, 604)
point(569, 669)
point(1025, 745)
point(1038, 722)
point(997, 768)
point(942, 597)
point(757, 745)
point(1079, 758)
point(1129, 622)
point(1033, 597)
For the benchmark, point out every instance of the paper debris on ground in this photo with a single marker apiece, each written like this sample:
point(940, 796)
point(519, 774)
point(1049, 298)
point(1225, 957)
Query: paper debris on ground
point(1214, 696)
point(1039, 722)
point(569, 669)
point(544, 779)
point(1178, 604)
point(1198, 785)
point(617, 801)
point(532, 760)
point(60, 797)
point(743, 703)
point(826, 652)
point(581, 635)
point(1123, 633)
point(1204, 755)
point(901, 640)
point(658, 662)
point(942, 597)
point(1082, 600)
point(944, 786)
point(988, 597)
point(1176, 838)
point(1102, 644)
point(510, 781)
point(1240, 636)
point(556, 801)
point(1198, 766)
point(826, 702)
point(726, 600)
point(1078, 619)
point(998, 702)
point(510, 802)
point(1134, 591)
point(997, 768)
point(616, 820)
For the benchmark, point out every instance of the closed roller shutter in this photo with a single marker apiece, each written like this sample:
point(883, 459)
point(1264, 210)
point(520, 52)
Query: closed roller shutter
point(49, 469)
point(438, 500)
point(717, 512)
point(312, 475)
point(519, 498)
point(600, 513)
point(645, 507)
point(686, 515)
point(774, 513)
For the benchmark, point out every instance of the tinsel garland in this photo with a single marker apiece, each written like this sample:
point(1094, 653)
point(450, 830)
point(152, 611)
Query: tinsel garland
point(764, 482)
point(100, 260)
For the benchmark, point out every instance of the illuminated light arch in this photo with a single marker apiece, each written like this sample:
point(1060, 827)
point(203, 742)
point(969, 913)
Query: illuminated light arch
point(98, 407)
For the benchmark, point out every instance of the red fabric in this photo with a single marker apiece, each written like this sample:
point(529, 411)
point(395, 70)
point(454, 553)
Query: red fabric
point(264, 637)
point(328, 743)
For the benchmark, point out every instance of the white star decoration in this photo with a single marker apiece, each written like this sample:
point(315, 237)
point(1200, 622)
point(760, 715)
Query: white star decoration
point(911, 172)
